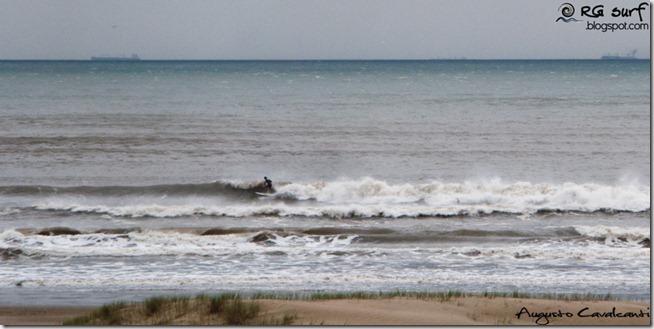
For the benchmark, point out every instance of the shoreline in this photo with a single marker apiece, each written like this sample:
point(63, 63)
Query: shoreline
point(409, 310)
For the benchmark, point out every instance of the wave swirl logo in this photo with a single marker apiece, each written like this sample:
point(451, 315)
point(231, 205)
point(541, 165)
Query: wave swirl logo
point(567, 10)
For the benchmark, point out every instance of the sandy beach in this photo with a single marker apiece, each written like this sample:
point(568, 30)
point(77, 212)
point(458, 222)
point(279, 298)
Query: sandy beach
point(39, 315)
point(405, 311)
point(459, 311)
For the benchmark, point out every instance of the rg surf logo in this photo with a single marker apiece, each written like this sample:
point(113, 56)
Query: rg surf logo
point(567, 12)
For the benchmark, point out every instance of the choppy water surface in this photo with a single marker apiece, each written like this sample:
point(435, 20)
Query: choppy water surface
point(426, 176)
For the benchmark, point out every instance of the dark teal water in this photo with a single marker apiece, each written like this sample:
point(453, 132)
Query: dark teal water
point(413, 175)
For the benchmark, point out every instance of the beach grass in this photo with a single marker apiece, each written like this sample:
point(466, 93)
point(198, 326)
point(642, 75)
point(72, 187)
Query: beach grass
point(224, 309)
point(232, 309)
point(442, 296)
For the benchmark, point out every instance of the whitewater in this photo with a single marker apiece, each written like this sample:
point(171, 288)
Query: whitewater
point(365, 198)
point(129, 180)
point(361, 234)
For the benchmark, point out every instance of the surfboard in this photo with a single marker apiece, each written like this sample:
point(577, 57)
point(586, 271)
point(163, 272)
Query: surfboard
point(264, 194)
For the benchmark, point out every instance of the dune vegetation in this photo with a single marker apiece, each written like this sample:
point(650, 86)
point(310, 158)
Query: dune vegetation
point(224, 309)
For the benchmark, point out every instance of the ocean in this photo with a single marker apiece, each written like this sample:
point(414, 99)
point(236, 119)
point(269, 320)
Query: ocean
point(126, 180)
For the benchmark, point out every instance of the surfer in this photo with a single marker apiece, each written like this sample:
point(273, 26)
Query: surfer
point(267, 183)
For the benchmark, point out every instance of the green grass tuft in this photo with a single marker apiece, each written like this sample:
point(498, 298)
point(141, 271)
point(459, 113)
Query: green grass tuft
point(109, 314)
point(230, 309)
point(218, 310)
point(238, 313)
point(218, 303)
point(154, 304)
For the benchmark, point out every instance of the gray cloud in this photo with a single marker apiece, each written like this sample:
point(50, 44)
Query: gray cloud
point(307, 29)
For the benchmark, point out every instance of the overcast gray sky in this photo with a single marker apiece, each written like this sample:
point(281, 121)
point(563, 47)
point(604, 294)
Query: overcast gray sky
point(311, 29)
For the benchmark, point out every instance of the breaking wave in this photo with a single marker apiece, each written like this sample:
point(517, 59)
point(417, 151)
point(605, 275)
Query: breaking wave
point(366, 197)
point(206, 189)
point(330, 241)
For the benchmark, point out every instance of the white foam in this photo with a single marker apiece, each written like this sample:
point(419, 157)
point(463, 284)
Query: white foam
point(9, 235)
point(615, 235)
point(9, 211)
point(368, 197)
point(479, 196)
point(165, 242)
point(307, 262)
point(154, 242)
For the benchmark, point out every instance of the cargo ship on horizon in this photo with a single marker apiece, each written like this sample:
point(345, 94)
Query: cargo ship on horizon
point(631, 56)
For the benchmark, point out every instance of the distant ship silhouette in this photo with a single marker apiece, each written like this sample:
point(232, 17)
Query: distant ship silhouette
point(632, 55)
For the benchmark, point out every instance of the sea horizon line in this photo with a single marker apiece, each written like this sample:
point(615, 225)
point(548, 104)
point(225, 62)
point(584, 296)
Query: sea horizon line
point(324, 60)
